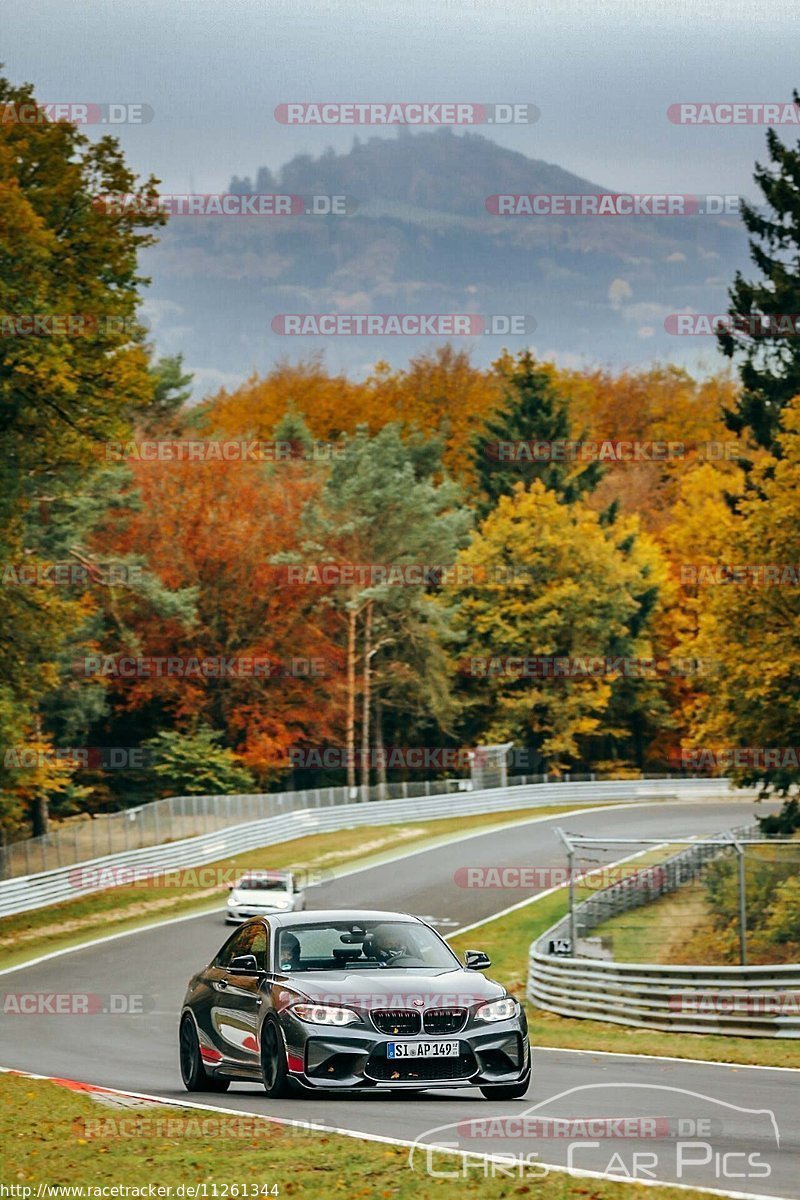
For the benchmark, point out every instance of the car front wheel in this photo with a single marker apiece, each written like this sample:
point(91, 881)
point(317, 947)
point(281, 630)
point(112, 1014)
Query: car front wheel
point(274, 1072)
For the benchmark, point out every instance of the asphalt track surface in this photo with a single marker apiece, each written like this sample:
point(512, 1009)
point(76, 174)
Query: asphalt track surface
point(752, 1144)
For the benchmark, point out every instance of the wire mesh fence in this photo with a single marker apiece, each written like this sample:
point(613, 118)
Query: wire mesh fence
point(80, 839)
point(734, 899)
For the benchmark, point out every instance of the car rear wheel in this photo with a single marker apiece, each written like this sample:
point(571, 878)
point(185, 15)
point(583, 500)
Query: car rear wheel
point(274, 1072)
point(193, 1073)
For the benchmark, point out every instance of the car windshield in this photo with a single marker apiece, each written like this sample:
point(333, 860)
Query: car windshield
point(362, 946)
point(265, 884)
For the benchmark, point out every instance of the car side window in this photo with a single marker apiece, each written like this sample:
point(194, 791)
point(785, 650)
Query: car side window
point(259, 947)
point(239, 944)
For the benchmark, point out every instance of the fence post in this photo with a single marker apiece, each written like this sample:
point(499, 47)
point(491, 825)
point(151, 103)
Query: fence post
point(742, 908)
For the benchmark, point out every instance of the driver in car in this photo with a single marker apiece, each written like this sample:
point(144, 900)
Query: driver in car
point(289, 952)
point(389, 942)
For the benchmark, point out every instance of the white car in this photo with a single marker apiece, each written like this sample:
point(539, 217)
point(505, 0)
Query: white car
point(260, 892)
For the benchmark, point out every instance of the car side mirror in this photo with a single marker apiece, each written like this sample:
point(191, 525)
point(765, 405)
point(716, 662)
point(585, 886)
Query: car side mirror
point(243, 962)
point(477, 960)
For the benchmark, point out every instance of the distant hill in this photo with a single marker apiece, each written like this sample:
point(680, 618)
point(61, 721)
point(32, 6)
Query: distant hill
point(422, 241)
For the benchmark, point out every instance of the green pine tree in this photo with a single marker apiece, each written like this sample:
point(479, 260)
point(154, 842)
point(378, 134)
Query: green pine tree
point(769, 361)
point(533, 412)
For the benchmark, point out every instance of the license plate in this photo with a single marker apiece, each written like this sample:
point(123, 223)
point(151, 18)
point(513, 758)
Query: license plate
point(422, 1050)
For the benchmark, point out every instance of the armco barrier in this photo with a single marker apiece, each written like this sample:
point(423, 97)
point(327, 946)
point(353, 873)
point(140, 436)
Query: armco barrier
point(759, 1001)
point(65, 883)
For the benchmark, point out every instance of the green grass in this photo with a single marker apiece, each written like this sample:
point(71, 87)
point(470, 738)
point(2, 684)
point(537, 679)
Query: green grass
point(507, 941)
point(659, 932)
point(66, 1137)
point(115, 910)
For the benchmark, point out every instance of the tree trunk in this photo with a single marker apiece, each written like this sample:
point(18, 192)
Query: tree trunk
point(366, 701)
point(383, 790)
point(40, 815)
point(40, 810)
point(351, 698)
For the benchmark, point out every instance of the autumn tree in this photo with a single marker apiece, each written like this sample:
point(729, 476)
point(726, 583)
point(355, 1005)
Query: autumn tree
point(210, 531)
point(72, 367)
point(748, 623)
point(551, 582)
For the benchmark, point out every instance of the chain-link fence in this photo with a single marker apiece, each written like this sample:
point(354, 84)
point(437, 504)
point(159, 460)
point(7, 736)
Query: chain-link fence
point(735, 899)
point(80, 839)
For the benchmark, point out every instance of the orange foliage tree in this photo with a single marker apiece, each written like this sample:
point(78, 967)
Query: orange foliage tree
point(214, 528)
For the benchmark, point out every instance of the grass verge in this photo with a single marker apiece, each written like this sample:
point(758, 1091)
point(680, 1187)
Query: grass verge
point(67, 1138)
point(507, 941)
point(117, 909)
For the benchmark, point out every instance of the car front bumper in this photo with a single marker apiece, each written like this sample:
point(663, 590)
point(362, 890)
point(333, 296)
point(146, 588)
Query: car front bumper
point(235, 914)
point(356, 1057)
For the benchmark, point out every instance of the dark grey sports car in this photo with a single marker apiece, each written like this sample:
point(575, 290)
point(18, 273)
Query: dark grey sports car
point(350, 999)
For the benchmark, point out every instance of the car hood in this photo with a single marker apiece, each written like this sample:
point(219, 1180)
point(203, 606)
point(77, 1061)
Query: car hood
point(385, 988)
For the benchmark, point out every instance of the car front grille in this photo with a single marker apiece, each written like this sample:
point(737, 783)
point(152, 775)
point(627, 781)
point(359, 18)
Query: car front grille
point(444, 1020)
point(420, 1070)
point(402, 1021)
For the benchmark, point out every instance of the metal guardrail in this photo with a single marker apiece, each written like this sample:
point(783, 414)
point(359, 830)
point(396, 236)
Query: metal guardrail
point(749, 1001)
point(178, 817)
point(67, 882)
point(81, 839)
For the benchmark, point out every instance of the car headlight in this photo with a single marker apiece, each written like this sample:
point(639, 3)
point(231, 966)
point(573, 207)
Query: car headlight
point(498, 1010)
point(284, 902)
point(323, 1014)
point(233, 900)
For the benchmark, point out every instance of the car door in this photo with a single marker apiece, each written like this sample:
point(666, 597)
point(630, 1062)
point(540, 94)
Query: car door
point(238, 998)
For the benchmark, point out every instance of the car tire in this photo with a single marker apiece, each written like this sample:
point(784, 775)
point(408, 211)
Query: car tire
point(193, 1073)
point(274, 1071)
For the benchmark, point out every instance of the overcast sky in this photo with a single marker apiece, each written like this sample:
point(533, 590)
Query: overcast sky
point(602, 74)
